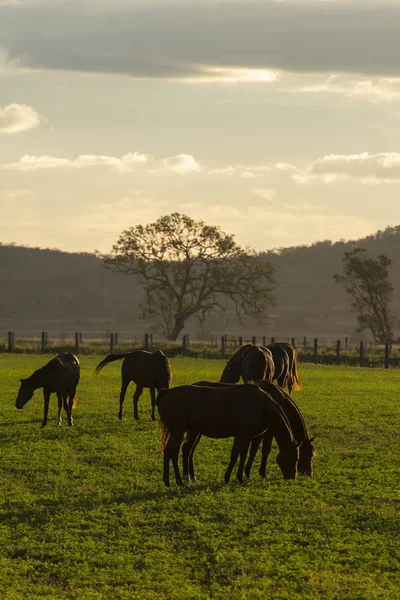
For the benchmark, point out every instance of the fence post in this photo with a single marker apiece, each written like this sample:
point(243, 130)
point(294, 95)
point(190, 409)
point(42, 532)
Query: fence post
point(116, 339)
point(346, 342)
point(337, 349)
point(272, 340)
point(386, 355)
point(43, 344)
point(315, 350)
point(253, 340)
point(223, 342)
point(10, 337)
point(77, 342)
point(293, 342)
point(305, 344)
point(240, 340)
point(361, 353)
point(264, 341)
point(151, 340)
point(184, 342)
point(146, 341)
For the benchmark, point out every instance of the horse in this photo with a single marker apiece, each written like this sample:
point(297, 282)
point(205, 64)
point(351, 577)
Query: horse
point(60, 375)
point(281, 364)
point(296, 422)
point(249, 362)
point(292, 380)
point(146, 369)
point(242, 412)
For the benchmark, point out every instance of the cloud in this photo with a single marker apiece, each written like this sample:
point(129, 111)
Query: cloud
point(18, 117)
point(181, 163)
point(383, 167)
point(375, 90)
point(216, 41)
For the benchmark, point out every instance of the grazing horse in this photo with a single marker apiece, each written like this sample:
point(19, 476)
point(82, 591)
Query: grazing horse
point(59, 375)
point(249, 362)
point(242, 412)
point(295, 420)
point(299, 429)
point(147, 370)
point(292, 380)
point(281, 364)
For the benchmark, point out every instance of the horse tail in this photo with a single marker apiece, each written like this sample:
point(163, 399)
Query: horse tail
point(108, 359)
point(296, 382)
point(75, 401)
point(165, 434)
point(160, 395)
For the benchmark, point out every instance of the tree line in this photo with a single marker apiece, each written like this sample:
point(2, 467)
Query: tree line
point(187, 268)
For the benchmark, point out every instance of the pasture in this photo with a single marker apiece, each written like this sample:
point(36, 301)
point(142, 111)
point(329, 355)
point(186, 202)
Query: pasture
point(84, 513)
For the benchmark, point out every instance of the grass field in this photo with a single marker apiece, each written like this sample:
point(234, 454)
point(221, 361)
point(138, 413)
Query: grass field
point(84, 513)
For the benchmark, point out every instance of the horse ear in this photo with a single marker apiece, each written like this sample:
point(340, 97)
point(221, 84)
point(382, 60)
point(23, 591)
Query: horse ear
point(21, 380)
point(312, 439)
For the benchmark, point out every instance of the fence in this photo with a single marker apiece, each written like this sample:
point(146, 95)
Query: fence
point(312, 350)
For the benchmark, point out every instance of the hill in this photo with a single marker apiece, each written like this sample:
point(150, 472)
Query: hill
point(43, 289)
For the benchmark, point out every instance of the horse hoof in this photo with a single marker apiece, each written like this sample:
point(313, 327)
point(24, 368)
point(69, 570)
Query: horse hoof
point(248, 476)
point(167, 483)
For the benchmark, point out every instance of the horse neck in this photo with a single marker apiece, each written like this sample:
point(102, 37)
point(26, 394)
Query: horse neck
point(36, 380)
point(282, 432)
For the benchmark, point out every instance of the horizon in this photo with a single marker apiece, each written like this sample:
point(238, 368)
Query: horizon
point(254, 116)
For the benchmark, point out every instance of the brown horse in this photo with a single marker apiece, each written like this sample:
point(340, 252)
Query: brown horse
point(249, 362)
point(147, 370)
point(59, 375)
point(292, 380)
point(242, 412)
point(296, 422)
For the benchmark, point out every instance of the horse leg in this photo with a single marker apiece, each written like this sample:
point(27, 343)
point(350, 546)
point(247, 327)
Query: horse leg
point(238, 444)
point(136, 396)
point(69, 402)
point(266, 449)
point(171, 452)
point(188, 447)
point(124, 387)
point(153, 403)
point(60, 404)
point(177, 442)
point(243, 454)
point(255, 444)
point(46, 395)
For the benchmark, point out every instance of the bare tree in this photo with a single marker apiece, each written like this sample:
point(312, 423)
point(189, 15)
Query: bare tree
point(366, 281)
point(186, 267)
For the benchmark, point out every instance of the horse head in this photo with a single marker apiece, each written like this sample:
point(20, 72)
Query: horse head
point(307, 453)
point(25, 393)
point(287, 460)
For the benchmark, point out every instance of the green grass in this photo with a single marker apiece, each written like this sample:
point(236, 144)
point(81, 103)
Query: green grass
point(84, 514)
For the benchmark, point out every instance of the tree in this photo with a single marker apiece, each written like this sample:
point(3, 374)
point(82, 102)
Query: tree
point(366, 281)
point(186, 267)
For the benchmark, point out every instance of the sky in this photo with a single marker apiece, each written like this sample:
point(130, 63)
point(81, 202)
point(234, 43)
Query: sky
point(277, 120)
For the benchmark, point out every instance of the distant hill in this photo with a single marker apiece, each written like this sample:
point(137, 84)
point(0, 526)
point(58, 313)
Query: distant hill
point(44, 289)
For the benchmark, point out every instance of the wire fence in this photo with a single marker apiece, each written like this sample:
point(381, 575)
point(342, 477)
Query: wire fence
point(308, 349)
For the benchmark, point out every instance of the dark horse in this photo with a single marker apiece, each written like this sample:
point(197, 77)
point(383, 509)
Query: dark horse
point(296, 422)
point(292, 379)
point(60, 375)
point(249, 362)
point(147, 370)
point(242, 412)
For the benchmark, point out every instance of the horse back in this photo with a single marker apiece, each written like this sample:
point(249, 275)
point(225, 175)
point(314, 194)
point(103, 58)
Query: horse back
point(215, 411)
point(147, 369)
